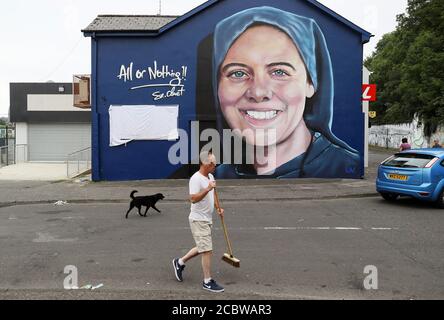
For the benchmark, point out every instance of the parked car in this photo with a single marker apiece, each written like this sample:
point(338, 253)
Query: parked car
point(415, 173)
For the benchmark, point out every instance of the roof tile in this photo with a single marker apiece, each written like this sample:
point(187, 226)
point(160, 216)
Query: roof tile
point(105, 23)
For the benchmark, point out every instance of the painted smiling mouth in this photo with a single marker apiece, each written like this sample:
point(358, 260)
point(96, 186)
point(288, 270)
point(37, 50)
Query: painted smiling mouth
point(261, 115)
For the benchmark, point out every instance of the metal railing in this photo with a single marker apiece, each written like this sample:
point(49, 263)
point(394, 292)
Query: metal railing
point(5, 157)
point(13, 154)
point(78, 162)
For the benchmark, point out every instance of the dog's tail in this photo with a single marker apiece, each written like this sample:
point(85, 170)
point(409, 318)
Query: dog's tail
point(132, 194)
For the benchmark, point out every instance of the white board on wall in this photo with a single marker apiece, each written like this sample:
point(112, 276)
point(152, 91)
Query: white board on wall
point(142, 122)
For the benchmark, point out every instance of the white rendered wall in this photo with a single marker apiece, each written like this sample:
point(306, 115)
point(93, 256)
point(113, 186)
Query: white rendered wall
point(390, 136)
point(52, 102)
point(21, 142)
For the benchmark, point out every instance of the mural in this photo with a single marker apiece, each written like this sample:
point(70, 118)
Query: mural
point(252, 83)
point(273, 74)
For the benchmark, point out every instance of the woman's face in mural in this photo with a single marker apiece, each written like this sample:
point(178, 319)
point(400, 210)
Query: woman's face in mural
point(263, 84)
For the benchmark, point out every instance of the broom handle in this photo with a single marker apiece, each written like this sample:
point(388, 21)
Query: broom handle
point(223, 223)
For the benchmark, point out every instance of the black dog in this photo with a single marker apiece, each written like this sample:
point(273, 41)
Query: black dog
point(148, 201)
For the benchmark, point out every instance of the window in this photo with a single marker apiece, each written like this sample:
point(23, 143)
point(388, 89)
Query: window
point(81, 91)
point(409, 160)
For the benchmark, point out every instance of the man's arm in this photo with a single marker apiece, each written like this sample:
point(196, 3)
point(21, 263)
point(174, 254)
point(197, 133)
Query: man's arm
point(220, 211)
point(194, 198)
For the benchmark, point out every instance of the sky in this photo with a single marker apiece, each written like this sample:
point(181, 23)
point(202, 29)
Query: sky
point(41, 40)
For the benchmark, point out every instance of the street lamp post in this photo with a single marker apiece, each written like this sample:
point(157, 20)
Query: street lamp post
point(7, 145)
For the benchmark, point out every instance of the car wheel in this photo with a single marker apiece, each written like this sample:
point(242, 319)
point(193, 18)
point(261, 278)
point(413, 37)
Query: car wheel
point(440, 201)
point(389, 196)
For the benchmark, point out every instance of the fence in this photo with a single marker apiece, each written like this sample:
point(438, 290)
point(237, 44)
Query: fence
point(13, 154)
point(78, 162)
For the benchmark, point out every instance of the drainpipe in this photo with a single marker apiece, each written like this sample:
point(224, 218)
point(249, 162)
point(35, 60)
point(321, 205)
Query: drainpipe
point(7, 145)
point(365, 110)
point(95, 150)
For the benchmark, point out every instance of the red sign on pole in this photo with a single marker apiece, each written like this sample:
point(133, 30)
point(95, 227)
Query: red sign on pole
point(369, 92)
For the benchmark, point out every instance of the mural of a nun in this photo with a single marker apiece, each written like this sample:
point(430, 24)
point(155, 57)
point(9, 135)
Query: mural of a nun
point(274, 74)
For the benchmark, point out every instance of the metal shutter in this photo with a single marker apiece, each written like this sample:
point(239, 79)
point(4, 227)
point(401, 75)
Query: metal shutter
point(53, 142)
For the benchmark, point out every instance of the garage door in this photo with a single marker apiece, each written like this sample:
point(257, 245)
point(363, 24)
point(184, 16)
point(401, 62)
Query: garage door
point(53, 142)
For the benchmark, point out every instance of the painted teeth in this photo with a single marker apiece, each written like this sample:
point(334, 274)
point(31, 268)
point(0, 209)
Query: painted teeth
point(258, 115)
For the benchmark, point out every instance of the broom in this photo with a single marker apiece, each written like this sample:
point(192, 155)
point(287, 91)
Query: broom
point(227, 257)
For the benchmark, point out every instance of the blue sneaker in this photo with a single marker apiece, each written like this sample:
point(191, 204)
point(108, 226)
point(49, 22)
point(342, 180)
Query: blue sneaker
point(178, 269)
point(212, 286)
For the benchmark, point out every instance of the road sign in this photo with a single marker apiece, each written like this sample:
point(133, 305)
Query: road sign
point(369, 92)
point(372, 114)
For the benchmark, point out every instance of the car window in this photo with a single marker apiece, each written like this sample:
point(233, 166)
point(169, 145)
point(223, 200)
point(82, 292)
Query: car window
point(408, 160)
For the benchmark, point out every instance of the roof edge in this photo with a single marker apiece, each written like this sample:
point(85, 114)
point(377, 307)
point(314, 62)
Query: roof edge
point(188, 15)
point(179, 19)
point(365, 34)
point(138, 15)
point(88, 32)
point(120, 33)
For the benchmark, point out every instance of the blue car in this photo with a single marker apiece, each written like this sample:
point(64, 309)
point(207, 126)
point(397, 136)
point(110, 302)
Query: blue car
point(415, 173)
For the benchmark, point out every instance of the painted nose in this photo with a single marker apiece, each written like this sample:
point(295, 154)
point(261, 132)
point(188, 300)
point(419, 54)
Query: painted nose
point(259, 91)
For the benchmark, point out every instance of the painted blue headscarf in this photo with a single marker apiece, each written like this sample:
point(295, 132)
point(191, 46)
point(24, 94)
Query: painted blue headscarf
point(308, 38)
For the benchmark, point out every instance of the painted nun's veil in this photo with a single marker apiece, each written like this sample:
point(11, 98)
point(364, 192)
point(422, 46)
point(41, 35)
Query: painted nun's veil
point(308, 38)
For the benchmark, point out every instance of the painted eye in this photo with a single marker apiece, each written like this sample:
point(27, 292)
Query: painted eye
point(237, 74)
point(279, 73)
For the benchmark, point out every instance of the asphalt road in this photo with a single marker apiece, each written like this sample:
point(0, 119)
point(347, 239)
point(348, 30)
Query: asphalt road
point(288, 250)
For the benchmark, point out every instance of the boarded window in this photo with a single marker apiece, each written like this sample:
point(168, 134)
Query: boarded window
point(81, 91)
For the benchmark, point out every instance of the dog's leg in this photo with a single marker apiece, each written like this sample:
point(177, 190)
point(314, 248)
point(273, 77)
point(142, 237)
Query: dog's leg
point(146, 210)
point(154, 207)
point(131, 207)
point(140, 213)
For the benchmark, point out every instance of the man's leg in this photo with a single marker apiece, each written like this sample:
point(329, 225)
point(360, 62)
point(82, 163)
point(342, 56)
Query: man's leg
point(191, 254)
point(179, 264)
point(209, 283)
point(206, 264)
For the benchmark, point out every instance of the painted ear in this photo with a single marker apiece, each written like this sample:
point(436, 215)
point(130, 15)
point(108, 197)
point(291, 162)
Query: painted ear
point(309, 89)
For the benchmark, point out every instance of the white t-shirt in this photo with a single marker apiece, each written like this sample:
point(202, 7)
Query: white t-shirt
point(202, 210)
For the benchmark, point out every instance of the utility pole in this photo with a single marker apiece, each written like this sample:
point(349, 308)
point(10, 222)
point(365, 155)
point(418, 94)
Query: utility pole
point(160, 8)
point(7, 145)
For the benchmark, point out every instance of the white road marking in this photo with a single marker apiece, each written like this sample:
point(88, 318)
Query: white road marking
point(299, 228)
point(310, 228)
point(327, 228)
point(46, 237)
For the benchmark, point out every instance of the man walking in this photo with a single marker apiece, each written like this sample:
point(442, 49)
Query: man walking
point(201, 186)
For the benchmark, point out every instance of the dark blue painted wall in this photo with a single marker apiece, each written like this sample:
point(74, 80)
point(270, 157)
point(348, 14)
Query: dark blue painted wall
point(177, 47)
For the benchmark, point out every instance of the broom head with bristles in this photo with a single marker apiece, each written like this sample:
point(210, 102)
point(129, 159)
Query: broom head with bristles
point(231, 260)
